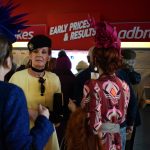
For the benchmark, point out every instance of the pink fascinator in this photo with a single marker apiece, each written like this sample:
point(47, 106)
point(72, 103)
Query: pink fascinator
point(106, 35)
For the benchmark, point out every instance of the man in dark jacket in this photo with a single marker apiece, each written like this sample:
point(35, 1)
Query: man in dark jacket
point(131, 77)
point(82, 77)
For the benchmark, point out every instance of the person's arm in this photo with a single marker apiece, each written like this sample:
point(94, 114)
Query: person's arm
point(16, 124)
point(41, 132)
point(132, 108)
point(79, 85)
point(92, 105)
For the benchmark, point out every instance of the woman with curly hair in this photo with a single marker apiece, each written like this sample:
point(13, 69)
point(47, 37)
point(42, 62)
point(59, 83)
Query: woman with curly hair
point(105, 100)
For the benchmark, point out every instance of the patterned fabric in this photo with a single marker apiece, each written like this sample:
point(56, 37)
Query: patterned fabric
point(131, 78)
point(106, 101)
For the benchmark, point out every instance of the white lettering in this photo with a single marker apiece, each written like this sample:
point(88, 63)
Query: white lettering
point(82, 34)
point(58, 29)
point(24, 35)
point(122, 34)
point(51, 32)
point(135, 33)
point(146, 34)
point(31, 34)
point(130, 33)
point(79, 25)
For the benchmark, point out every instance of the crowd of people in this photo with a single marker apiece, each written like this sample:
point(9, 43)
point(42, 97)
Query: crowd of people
point(45, 106)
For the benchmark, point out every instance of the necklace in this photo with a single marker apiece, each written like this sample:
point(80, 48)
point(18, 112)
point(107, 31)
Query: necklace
point(37, 70)
point(41, 79)
point(36, 74)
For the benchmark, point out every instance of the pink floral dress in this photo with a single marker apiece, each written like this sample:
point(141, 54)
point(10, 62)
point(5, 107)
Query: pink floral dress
point(106, 100)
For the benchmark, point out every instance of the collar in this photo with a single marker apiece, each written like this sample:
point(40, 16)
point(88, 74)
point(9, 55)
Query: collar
point(37, 70)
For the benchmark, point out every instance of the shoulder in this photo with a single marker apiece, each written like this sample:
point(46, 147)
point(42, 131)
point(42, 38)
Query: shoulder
point(84, 75)
point(21, 73)
point(51, 75)
point(88, 70)
point(124, 85)
point(52, 78)
point(8, 86)
point(19, 77)
point(135, 77)
point(121, 73)
point(92, 84)
point(8, 89)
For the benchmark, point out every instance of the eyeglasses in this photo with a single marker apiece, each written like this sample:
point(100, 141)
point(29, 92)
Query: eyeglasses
point(41, 80)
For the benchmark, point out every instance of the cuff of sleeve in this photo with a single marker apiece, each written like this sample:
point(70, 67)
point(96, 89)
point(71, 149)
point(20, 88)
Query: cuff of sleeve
point(45, 124)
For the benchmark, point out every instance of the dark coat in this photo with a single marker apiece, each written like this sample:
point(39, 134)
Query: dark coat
point(81, 78)
point(131, 78)
point(67, 79)
point(14, 122)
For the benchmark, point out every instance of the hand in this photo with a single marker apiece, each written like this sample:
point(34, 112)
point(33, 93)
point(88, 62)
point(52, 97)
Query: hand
point(72, 106)
point(129, 129)
point(43, 111)
point(33, 114)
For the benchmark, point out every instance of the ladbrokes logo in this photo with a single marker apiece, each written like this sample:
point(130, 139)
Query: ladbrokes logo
point(134, 33)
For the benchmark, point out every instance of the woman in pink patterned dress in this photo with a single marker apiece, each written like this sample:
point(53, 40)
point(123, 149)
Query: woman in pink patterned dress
point(106, 99)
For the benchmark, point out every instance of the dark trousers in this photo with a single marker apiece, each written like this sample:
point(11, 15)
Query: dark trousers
point(61, 133)
point(130, 143)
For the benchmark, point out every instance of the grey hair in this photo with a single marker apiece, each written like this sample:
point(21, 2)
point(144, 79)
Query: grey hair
point(5, 49)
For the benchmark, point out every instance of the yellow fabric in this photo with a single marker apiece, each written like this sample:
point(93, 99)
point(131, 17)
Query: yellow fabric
point(31, 88)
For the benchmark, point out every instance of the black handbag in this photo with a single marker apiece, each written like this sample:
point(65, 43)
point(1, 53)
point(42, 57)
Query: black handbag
point(56, 115)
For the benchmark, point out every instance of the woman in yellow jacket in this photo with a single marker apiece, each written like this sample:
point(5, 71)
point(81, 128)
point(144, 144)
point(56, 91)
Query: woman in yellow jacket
point(39, 85)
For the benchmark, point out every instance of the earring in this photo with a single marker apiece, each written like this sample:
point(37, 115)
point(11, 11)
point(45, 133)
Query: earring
point(95, 69)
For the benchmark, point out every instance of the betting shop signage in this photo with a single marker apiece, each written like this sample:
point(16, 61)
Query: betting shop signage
point(30, 31)
point(73, 31)
point(133, 31)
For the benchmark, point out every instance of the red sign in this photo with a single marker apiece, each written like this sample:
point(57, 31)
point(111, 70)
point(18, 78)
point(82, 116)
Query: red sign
point(73, 31)
point(28, 33)
point(133, 32)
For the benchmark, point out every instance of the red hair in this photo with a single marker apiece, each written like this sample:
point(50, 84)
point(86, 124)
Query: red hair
point(79, 136)
point(107, 59)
